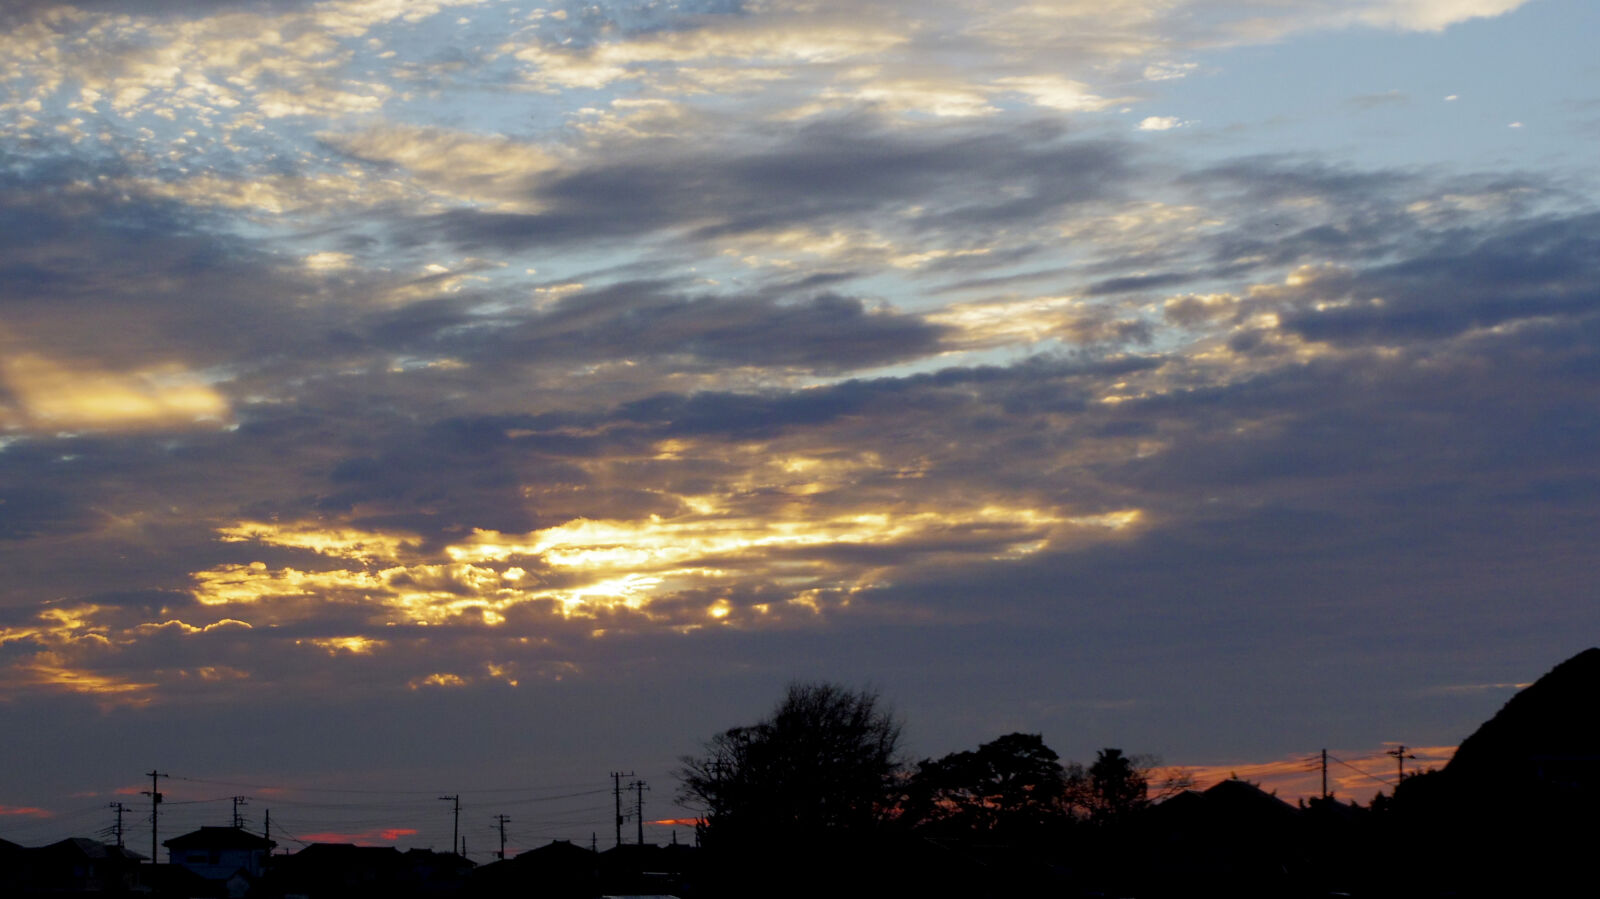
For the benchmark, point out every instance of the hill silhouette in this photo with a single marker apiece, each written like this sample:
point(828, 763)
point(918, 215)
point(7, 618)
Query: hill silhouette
point(1513, 811)
point(1544, 738)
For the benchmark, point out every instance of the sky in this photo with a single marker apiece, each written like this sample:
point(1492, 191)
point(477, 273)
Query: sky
point(470, 398)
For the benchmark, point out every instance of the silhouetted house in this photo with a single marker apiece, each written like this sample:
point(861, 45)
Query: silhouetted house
point(11, 859)
point(645, 869)
point(76, 865)
point(1234, 837)
point(556, 870)
point(337, 871)
point(218, 853)
point(428, 873)
point(178, 882)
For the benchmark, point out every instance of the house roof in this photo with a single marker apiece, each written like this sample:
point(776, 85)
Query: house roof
point(87, 848)
point(345, 853)
point(557, 855)
point(219, 838)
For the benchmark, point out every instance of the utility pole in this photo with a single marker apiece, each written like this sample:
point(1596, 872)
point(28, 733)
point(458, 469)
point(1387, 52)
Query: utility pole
point(1324, 774)
point(238, 819)
point(616, 793)
point(639, 787)
point(266, 829)
point(501, 820)
point(155, 810)
point(455, 828)
point(118, 829)
point(1400, 756)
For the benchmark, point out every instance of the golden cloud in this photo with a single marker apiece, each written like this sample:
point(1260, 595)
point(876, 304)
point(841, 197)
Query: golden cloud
point(489, 169)
point(57, 395)
point(586, 567)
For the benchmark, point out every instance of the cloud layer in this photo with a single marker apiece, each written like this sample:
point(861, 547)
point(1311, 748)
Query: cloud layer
point(404, 356)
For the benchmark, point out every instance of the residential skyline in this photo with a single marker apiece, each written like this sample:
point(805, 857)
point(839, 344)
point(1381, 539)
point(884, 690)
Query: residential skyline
point(472, 395)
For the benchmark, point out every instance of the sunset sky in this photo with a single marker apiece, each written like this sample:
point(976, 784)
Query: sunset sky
point(473, 397)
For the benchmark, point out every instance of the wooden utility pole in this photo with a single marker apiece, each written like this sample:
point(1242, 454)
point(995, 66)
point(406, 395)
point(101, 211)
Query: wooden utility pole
point(455, 827)
point(155, 810)
point(616, 794)
point(1400, 756)
point(639, 787)
point(1325, 793)
point(118, 829)
point(501, 820)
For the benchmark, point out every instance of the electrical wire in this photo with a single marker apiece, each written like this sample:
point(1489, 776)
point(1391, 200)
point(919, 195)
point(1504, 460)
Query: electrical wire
point(1375, 777)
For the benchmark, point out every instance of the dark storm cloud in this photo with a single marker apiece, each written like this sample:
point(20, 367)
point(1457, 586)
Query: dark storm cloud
point(1137, 282)
point(1267, 179)
point(829, 172)
point(19, 12)
point(164, 279)
point(1286, 211)
point(1041, 384)
point(29, 512)
point(1529, 270)
point(442, 480)
point(823, 332)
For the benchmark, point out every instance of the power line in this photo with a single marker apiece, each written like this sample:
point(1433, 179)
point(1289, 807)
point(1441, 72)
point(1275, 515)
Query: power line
point(118, 828)
point(1400, 756)
point(267, 788)
point(560, 810)
point(1361, 772)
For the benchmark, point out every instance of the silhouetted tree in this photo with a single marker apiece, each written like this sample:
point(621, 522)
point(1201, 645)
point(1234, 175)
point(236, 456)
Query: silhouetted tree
point(1012, 785)
point(1114, 786)
point(823, 763)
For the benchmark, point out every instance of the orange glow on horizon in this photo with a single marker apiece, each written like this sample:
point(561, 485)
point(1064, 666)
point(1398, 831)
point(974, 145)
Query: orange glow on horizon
point(1362, 773)
point(27, 810)
point(362, 838)
point(678, 822)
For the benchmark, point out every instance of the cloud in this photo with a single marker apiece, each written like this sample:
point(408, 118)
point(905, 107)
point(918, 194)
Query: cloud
point(407, 360)
point(1528, 272)
point(27, 512)
point(24, 810)
point(53, 395)
point(1160, 123)
point(845, 170)
point(373, 837)
point(492, 170)
point(1428, 15)
point(639, 320)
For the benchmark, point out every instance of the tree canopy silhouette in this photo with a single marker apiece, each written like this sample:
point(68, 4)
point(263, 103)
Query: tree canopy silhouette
point(823, 762)
point(1012, 785)
point(1114, 786)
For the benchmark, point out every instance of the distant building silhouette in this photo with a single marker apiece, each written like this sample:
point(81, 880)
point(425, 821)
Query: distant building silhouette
point(217, 853)
point(68, 867)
